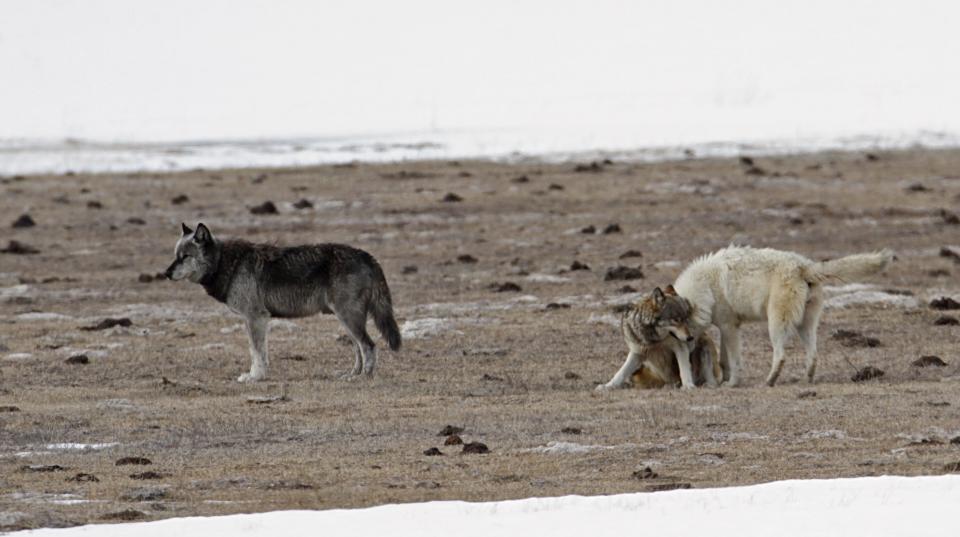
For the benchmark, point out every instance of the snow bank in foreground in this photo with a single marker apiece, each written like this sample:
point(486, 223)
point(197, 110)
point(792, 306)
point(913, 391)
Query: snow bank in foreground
point(875, 506)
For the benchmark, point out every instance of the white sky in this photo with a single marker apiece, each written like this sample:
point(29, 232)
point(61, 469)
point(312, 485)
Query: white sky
point(656, 71)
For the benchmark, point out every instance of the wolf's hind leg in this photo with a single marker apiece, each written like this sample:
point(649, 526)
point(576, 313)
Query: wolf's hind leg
point(355, 322)
point(631, 364)
point(707, 357)
point(784, 313)
point(730, 342)
point(808, 331)
point(259, 360)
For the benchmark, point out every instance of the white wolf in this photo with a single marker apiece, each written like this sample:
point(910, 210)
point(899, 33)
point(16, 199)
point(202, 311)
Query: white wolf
point(739, 284)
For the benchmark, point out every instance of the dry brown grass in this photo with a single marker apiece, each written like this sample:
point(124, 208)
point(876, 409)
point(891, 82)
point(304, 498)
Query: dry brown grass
point(360, 443)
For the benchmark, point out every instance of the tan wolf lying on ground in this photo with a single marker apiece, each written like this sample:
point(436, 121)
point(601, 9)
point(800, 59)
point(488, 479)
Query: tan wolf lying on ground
point(655, 330)
point(740, 284)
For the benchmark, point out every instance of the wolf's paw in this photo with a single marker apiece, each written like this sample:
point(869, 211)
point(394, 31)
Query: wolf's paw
point(731, 383)
point(250, 377)
point(603, 387)
point(348, 375)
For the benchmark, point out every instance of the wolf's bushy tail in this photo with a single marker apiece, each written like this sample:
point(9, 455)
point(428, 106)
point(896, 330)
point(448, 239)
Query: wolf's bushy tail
point(382, 310)
point(847, 268)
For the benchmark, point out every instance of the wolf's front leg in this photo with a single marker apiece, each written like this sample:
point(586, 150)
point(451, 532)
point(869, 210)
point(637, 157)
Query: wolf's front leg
point(257, 332)
point(629, 366)
point(682, 352)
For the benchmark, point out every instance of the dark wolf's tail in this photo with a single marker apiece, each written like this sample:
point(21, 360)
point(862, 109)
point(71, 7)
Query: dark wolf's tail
point(381, 305)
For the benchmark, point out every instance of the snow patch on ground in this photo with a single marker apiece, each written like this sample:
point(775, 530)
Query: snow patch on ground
point(856, 294)
point(427, 327)
point(42, 316)
point(604, 318)
point(18, 356)
point(560, 448)
point(70, 446)
point(546, 278)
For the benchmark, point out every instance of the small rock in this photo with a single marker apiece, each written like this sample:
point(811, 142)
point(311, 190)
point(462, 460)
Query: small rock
point(453, 440)
point(917, 187)
point(521, 179)
point(410, 269)
point(627, 289)
point(867, 373)
point(19, 248)
point(259, 179)
point(109, 323)
point(84, 478)
point(950, 253)
point(126, 514)
point(136, 221)
point(668, 486)
point(929, 361)
point(145, 278)
point(631, 253)
point(94, 204)
point(807, 394)
point(571, 430)
point(557, 306)
point(612, 228)
point(145, 494)
point(754, 170)
point(576, 265)
point(140, 461)
point(955, 440)
point(478, 448)
point(505, 287)
point(24, 221)
point(645, 473)
point(266, 207)
point(946, 320)
point(593, 167)
point(449, 430)
point(852, 338)
point(179, 200)
point(147, 475)
point(570, 375)
point(555, 186)
point(949, 217)
point(9, 408)
point(81, 359)
point(287, 485)
point(451, 198)
point(489, 377)
point(466, 259)
point(944, 303)
point(303, 204)
point(427, 485)
point(622, 273)
point(872, 157)
point(589, 230)
point(432, 452)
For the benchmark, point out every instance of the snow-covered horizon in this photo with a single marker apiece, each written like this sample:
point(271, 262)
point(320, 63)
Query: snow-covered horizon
point(867, 506)
point(113, 85)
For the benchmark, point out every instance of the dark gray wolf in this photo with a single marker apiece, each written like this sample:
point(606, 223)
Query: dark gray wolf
point(260, 282)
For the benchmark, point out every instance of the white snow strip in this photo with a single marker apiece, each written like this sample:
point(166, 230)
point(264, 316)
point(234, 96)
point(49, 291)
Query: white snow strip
point(546, 278)
point(426, 327)
point(857, 294)
point(82, 447)
point(874, 506)
point(42, 316)
point(558, 448)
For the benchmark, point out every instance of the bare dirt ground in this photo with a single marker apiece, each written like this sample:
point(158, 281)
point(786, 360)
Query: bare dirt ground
point(515, 372)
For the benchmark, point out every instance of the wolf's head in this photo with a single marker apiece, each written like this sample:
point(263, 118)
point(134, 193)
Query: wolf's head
point(194, 256)
point(664, 313)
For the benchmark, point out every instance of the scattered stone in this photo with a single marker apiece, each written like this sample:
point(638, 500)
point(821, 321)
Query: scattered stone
point(953, 467)
point(505, 287)
point(477, 448)
point(410, 269)
point(24, 221)
point(950, 253)
point(148, 475)
point(746, 161)
point(453, 440)
point(925, 441)
point(268, 399)
point(489, 377)
point(449, 430)
point(180, 199)
point(294, 357)
point(136, 221)
point(42, 468)
point(917, 187)
point(138, 461)
point(464, 174)
point(94, 204)
point(145, 494)
point(570, 375)
point(571, 430)
point(929, 361)
point(612, 228)
point(593, 167)
point(589, 230)
point(432, 452)
point(304, 203)
point(668, 486)
point(84, 478)
point(872, 157)
point(259, 179)
point(109, 323)
point(521, 179)
point(867, 373)
point(555, 186)
point(631, 253)
point(466, 259)
point(266, 207)
point(451, 198)
point(645, 473)
point(944, 303)
point(946, 320)
point(576, 265)
point(9, 408)
point(557, 306)
point(955, 440)
point(81, 359)
point(622, 273)
point(427, 485)
point(852, 338)
point(755, 170)
point(19, 248)
point(807, 394)
point(627, 289)
point(949, 217)
point(126, 514)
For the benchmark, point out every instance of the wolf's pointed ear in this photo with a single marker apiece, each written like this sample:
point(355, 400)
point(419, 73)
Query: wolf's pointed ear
point(658, 296)
point(186, 230)
point(670, 290)
point(203, 234)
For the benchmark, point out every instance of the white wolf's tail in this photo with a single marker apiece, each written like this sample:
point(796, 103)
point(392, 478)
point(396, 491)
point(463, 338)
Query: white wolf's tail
point(847, 268)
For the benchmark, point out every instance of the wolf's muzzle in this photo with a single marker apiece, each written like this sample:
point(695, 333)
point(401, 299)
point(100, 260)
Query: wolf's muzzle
point(169, 272)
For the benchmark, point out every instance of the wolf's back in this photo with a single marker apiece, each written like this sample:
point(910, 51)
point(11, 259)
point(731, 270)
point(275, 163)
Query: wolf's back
point(847, 268)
